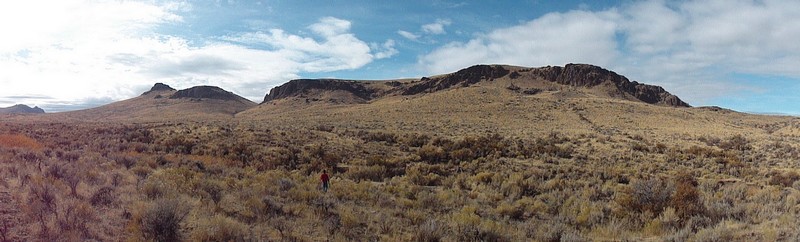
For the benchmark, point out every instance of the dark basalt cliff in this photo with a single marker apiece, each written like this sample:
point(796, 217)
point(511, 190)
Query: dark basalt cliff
point(207, 92)
point(577, 75)
point(301, 87)
point(464, 77)
point(583, 75)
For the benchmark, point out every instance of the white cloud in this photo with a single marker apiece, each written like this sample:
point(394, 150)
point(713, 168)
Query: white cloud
point(386, 49)
point(692, 48)
point(408, 35)
point(338, 50)
point(555, 38)
point(436, 27)
point(330, 26)
point(62, 54)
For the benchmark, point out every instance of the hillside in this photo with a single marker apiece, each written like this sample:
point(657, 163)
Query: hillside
point(163, 103)
point(511, 100)
point(582, 79)
point(488, 153)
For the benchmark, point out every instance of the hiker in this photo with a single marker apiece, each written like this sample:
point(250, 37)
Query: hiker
point(324, 177)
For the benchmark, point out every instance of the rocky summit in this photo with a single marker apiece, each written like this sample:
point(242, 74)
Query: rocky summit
point(21, 108)
point(159, 87)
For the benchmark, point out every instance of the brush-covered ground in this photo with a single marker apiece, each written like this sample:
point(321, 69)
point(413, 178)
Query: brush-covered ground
point(258, 181)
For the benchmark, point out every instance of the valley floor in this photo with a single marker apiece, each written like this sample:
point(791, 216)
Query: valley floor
point(259, 181)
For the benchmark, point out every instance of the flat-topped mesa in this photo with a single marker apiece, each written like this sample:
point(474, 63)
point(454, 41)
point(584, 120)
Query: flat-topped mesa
point(584, 75)
point(159, 87)
point(207, 92)
point(306, 88)
point(463, 77)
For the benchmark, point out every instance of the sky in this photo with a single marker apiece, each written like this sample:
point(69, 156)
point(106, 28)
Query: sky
point(72, 54)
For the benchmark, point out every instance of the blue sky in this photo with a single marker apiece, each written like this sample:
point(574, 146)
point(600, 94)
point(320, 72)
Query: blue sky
point(74, 54)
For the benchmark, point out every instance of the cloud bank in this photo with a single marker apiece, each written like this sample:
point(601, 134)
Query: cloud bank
point(59, 55)
point(690, 47)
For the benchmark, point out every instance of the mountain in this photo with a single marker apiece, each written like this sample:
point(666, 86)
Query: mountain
point(21, 108)
point(571, 80)
point(575, 98)
point(163, 102)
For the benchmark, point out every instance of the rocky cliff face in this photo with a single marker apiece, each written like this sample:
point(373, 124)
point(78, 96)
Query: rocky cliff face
point(577, 75)
point(464, 77)
point(208, 92)
point(21, 108)
point(583, 75)
point(302, 87)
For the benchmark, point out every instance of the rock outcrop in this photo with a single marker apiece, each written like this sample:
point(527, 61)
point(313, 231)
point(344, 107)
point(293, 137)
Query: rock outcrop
point(464, 77)
point(575, 75)
point(22, 108)
point(583, 75)
point(159, 87)
point(305, 87)
point(207, 92)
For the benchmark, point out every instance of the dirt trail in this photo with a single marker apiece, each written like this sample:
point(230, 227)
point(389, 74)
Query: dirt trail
point(10, 218)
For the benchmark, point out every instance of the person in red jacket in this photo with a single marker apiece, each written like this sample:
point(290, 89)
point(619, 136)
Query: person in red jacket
point(325, 179)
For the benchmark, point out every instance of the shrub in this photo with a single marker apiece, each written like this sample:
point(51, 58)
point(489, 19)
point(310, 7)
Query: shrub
point(161, 221)
point(425, 175)
point(72, 178)
point(469, 227)
point(737, 142)
point(75, 217)
point(210, 189)
point(220, 228)
point(784, 179)
point(102, 197)
point(430, 231)
point(687, 201)
point(651, 195)
point(432, 154)
point(379, 137)
point(42, 202)
point(462, 155)
point(554, 231)
point(125, 160)
point(371, 173)
point(416, 140)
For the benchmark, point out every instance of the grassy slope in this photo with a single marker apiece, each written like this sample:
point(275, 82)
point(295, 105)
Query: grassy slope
point(571, 168)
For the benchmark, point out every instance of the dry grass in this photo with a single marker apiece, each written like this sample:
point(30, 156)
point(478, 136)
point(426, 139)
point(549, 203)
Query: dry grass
point(501, 167)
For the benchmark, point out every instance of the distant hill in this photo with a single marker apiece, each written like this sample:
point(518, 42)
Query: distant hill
point(163, 102)
point(22, 108)
point(573, 79)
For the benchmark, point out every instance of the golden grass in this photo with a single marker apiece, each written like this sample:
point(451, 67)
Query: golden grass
point(19, 141)
point(474, 163)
